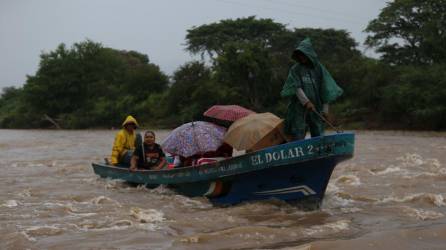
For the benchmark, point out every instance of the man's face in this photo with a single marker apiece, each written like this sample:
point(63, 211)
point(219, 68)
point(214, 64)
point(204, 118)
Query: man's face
point(299, 57)
point(302, 59)
point(149, 138)
point(130, 127)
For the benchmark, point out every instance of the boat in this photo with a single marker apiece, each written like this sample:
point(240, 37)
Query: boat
point(294, 171)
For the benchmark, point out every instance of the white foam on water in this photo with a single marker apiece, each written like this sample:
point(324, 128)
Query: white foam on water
point(411, 160)
point(348, 210)
point(118, 227)
point(425, 174)
point(81, 214)
point(256, 236)
point(335, 201)
point(147, 215)
point(149, 219)
point(53, 164)
point(29, 238)
point(413, 166)
point(191, 202)
point(10, 203)
point(422, 214)
point(333, 196)
point(191, 239)
point(91, 180)
point(24, 193)
point(141, 188)
point(416, 160)
point(436, 199)
point(114, 184)
point(163, 190)
point(333, 227)
point(68, 207)
point(31, 164)
point(230, 219)
point(122, 223)
point(332, 188)
point(351, 180)
point(434, 162)
point(45, 230)
point(390, 169)
point(104, 200)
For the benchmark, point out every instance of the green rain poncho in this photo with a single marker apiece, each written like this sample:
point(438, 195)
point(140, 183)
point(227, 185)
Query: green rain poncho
point(319, 87)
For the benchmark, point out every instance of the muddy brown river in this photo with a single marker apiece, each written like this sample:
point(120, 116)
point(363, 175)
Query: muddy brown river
point(391, 195)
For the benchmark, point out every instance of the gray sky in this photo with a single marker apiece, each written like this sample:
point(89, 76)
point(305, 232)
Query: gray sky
point(155, 28)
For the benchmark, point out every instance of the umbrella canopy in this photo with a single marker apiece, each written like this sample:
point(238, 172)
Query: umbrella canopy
point(194, 138)
point(227, 112)
point(255, 131)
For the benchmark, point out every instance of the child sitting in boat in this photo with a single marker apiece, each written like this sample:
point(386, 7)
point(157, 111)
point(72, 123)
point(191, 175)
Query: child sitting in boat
point(149, 155)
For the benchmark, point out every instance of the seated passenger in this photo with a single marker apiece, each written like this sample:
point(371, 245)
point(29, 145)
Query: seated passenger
point(124, 143)
point(225, 150)
point(149, 155)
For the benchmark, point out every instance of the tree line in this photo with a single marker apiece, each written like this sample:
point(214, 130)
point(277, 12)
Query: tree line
point(245, 61)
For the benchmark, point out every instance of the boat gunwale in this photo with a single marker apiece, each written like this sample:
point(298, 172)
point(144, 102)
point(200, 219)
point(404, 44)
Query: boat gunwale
point(160, 176)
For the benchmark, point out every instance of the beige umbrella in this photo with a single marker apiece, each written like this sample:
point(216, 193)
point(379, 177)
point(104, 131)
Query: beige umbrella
point(255, 131)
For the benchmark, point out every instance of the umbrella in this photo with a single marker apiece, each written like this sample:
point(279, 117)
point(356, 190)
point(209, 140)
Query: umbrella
point(227, 112)
point(255, 131)
point(193, 138)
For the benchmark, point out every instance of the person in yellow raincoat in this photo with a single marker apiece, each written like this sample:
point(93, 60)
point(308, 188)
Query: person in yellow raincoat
point(124, 144)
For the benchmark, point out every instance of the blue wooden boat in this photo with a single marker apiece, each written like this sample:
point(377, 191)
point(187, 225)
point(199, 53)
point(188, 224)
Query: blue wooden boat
point(295, 171)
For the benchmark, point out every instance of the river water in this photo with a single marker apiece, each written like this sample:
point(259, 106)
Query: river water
point(391, 195)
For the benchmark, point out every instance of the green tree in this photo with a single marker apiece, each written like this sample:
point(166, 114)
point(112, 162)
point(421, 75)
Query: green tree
point(246, 69)
point(12, 111)
point(410, 32)
point(211, 38)
point(192, 92)
point(417, 98)
point(89, 85)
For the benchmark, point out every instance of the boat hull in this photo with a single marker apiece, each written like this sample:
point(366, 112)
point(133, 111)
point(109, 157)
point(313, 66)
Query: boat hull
point(303, 181)
point(294, 171)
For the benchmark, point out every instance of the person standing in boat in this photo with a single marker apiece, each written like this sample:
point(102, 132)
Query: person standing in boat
point(149, 155)
point(124, 143)
point(310, 88)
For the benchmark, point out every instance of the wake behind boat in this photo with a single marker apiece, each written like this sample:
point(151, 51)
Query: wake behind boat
point(295, 171)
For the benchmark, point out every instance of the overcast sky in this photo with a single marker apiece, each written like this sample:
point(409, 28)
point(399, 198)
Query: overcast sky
point(155, 28)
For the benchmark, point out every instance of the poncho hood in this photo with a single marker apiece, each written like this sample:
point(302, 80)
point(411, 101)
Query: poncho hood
point(306, 47)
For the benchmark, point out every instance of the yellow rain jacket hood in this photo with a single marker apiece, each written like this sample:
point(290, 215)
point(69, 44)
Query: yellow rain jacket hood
point(124, 141)
point(130, 119)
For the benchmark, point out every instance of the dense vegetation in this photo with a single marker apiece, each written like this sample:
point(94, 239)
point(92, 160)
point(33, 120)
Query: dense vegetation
point(89, 85)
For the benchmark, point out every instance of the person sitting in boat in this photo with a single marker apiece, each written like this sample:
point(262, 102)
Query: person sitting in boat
point(149, 155)
point(124, 143)
point(224, 151)
point(310, 88)
point(181, 161)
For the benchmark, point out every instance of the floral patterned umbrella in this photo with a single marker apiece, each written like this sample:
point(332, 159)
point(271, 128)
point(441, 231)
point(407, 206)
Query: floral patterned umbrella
point(194, 138)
